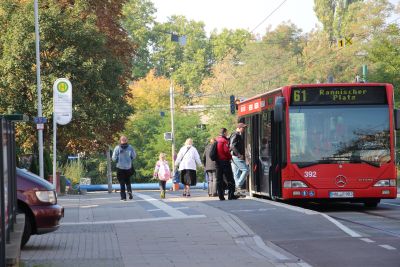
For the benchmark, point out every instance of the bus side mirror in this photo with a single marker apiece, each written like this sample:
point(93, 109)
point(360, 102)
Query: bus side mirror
point(397, 119)
point(279, 108)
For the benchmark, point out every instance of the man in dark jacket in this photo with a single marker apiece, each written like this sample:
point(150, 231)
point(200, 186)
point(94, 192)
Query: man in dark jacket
point(224, 169)
point(210, 168)
point(239, 166)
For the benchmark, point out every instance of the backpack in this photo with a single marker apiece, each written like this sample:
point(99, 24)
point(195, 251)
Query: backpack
point(213, 151)
point(163, 172)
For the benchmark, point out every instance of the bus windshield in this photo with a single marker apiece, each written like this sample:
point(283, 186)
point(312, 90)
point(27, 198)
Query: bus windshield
point(338, 134)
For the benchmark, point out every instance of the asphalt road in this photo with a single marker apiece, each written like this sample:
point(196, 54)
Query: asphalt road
point(351, 235)
point(322, 235)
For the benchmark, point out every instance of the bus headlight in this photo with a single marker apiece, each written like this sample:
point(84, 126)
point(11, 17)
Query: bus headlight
point(386, 182)
point(294, 184)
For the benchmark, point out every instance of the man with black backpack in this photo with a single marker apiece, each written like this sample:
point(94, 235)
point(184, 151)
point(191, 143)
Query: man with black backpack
point(223, 167)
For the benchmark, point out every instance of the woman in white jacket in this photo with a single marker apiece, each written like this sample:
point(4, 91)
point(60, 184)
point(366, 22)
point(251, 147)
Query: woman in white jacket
point(188, 159)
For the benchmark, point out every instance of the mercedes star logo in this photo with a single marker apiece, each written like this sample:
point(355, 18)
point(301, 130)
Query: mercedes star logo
point(341, 181)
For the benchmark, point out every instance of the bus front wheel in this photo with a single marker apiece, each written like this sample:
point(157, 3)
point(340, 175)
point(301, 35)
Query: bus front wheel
point(371, 203)
point(271, 192)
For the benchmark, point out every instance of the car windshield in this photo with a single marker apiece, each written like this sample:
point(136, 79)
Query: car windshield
point(333, 134)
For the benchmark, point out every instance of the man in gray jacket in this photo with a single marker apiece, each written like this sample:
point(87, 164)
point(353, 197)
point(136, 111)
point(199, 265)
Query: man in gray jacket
point(210, 168)
point(124, 154)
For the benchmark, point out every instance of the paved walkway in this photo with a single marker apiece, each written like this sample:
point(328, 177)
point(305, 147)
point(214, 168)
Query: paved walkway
point(100, 230)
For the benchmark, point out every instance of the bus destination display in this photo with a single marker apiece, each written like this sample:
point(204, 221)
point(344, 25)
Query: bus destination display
point(338, 95)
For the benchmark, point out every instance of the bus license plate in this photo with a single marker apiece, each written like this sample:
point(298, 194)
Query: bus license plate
point(341, 194)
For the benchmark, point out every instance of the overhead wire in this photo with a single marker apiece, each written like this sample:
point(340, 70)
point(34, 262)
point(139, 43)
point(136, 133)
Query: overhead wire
point(311, 60)
point(269, 15)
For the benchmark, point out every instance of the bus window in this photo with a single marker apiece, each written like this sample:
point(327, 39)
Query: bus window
point(265, 142)
point(298, 135)
point(339, 133)
point(248, 141)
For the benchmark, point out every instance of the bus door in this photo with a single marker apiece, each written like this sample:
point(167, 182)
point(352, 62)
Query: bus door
point(265, 151)
point(254, 165)
point(278, 150)
point(254, 185)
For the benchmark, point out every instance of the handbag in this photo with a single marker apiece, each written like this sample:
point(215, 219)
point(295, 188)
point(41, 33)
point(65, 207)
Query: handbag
point(175, 180)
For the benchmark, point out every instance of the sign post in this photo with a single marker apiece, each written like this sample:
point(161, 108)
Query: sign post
point(62, 113)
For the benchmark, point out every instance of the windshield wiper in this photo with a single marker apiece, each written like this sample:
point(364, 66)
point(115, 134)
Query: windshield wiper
point(337, 159)
point(311, 163)
point(372, 163)
point(306, 164)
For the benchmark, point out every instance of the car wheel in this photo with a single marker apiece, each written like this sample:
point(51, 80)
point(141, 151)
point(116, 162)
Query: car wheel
point(27, 229)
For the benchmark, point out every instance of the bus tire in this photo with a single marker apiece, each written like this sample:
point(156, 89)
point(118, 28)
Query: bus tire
point(371, 203)
point(271, 193)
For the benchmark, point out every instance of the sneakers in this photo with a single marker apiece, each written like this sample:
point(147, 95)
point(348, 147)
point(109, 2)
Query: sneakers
point(123, 199)
point(130, 195)
point(162, 194)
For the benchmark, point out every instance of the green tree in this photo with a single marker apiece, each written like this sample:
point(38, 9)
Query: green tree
point(145, 131)
point(333, 14)
point(83, 55)
point(228, 41)
point(384, 55)
point(139, 20)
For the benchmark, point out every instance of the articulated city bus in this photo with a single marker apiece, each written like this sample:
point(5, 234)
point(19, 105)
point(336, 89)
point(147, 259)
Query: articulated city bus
point(322, 141)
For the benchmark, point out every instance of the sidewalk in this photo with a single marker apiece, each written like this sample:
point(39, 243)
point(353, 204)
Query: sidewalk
point(100, 230)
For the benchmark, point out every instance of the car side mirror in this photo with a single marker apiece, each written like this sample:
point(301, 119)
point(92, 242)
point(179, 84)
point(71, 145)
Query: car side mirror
point(279, 108)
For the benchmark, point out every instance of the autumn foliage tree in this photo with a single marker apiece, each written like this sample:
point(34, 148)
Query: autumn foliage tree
point(80, 40)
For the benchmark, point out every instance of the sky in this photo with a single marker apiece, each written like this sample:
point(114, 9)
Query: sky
point(248, 14)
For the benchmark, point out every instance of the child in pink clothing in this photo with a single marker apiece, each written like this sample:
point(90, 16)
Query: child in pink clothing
point(162, 172)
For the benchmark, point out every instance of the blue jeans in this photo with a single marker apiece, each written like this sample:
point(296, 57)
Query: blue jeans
point(240, 171)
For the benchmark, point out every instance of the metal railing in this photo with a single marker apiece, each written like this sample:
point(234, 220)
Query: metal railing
point(8, 182)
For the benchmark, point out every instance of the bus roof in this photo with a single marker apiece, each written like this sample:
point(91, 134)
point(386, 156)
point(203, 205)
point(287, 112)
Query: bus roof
point(258, 102)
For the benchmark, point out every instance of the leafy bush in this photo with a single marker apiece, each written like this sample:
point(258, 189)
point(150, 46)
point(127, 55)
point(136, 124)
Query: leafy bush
point(74, 170)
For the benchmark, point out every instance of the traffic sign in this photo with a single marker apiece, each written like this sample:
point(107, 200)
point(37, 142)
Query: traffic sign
point(62, 101)
point(168, 136)
point(342, 42)
point(40, 126)
point(39, 120)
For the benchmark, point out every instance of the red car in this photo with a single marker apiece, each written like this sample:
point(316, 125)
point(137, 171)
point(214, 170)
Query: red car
point(38, 200)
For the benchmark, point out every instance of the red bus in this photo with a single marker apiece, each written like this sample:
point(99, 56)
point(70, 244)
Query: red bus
point(322, 141)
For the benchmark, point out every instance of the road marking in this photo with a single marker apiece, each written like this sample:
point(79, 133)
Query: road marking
point(391, 204)
point(154, 210)
point(179, 208)
point(134, 220)
point(387, 247)
point(252, 210)
point(286, 206)
point(367, 240)
point(86, 199)
point(164, 207)
point(88, 206)
point(341, 226)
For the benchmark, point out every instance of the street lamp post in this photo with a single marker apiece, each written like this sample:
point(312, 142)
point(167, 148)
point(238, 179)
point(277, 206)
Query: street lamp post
point(172, 104)
point(39, 88)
